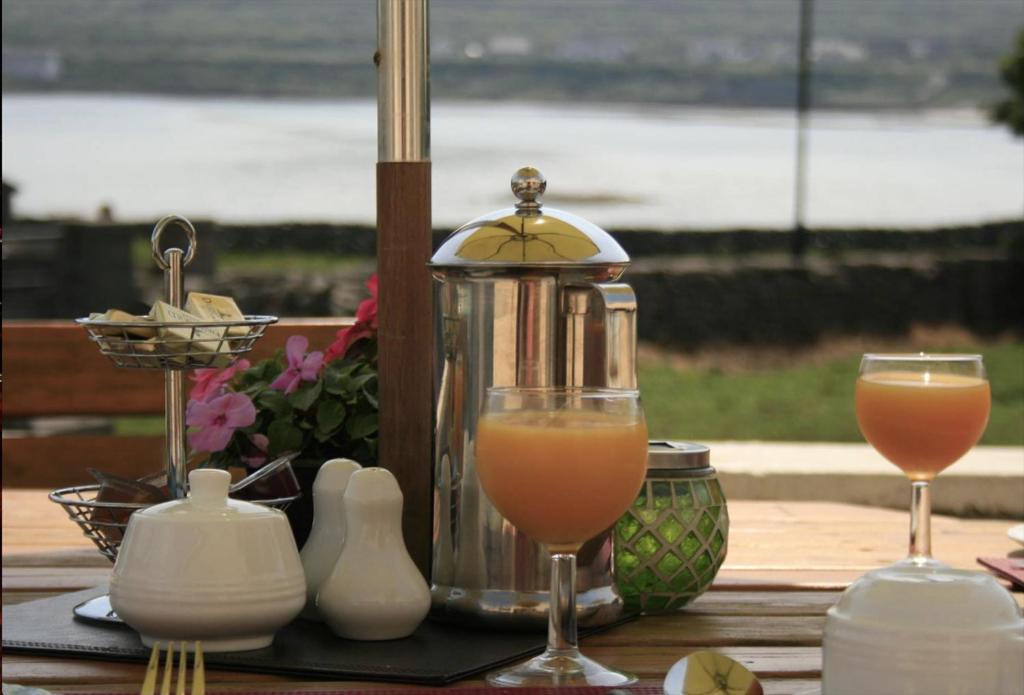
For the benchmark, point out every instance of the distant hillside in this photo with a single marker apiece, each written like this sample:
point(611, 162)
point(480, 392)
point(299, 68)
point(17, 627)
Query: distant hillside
point(869, 53)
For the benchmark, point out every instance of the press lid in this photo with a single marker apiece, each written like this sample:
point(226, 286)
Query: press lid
point(207, 500)
point(674, 455)
point(530, 235)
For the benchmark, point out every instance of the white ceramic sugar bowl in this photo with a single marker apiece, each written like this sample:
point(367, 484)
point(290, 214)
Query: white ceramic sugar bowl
point(920, 631)
point(208, 568)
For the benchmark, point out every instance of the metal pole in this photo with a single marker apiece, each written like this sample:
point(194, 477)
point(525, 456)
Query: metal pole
point(403, 81)
point(803, 107)
point(173, 262)
point(174, 387)
point(405, 337)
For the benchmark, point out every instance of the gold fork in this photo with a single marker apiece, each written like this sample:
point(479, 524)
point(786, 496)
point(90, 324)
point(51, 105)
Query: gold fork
point(152, 671)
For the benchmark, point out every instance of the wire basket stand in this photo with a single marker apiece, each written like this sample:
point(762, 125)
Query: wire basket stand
point(173, 347)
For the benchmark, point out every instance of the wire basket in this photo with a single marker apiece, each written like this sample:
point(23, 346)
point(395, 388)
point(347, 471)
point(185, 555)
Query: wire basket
point(176, 346)
point(172, 346)
point(104, 523)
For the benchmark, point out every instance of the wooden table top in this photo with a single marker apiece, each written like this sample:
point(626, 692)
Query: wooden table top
point(787, 563)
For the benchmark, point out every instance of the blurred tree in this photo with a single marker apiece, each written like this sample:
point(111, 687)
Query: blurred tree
point(1011, 109)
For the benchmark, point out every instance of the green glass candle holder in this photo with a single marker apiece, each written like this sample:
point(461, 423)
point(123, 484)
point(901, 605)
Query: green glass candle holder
point(670, 544)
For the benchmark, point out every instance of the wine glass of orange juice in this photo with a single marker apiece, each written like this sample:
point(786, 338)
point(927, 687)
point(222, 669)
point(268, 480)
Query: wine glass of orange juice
point(922, 412)
point(562, 464)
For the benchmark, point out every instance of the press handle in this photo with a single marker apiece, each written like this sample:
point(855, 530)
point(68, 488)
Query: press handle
point(600, 333)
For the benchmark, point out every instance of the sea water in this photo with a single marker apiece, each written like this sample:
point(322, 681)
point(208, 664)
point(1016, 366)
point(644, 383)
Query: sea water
point(663, 167)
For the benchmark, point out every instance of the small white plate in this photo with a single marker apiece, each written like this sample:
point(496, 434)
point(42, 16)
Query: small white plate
point(1017, 533)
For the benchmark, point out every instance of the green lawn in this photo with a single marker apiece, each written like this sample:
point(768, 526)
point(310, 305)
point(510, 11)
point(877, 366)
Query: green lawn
point(802, 403)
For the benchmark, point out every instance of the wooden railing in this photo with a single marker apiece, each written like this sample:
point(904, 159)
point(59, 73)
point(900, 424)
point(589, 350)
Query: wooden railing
point(51, 369)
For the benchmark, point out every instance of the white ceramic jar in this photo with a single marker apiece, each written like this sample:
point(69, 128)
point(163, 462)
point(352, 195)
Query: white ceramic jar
point(208, 568)
point(375, 591)
point(320, 553)
point(924, 632)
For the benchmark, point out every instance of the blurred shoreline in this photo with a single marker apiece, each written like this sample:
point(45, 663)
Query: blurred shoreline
point(952, 114)
point(238, 160)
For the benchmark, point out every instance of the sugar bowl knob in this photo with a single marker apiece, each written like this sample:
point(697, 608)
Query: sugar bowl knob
point(208, 487)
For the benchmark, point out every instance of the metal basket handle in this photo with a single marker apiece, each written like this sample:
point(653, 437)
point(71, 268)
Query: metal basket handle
point(162, 258)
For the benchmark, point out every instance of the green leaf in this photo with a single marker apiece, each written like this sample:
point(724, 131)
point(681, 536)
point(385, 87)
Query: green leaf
point(361, 426)
point(371, 398)
point(283, 436)
point(264, 371)
point(306, 395)
point(329, 416)
point(333, 383)
point(347, 366)
point(252, 390)
point(274, 401)
point(362, 380)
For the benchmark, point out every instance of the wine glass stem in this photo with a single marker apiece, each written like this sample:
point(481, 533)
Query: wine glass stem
point(562, 616)
point(920, 522)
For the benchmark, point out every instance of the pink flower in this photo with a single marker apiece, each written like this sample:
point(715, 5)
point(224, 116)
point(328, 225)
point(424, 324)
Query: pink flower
point(364, 327)
point(217, 420)
point(260, 443)
point(301, 367)
point(210, 381)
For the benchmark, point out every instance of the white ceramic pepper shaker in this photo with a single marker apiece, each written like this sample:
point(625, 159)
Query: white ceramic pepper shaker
point(322, 548)
point(375, 591)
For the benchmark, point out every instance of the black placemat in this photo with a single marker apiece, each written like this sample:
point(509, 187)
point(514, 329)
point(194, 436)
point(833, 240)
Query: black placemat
point(435, 654)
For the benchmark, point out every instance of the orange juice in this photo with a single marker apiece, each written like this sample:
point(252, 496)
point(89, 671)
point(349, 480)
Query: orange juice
point(561, 477)
point(922, 422)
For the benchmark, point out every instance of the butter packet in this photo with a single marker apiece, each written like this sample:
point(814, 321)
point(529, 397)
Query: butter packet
point(212, 307)
point(143, 351)
point(189, 339)
point(124, 317)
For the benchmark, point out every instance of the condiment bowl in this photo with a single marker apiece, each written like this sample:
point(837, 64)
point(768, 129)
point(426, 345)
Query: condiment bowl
point(208, 568)
point(920, 631)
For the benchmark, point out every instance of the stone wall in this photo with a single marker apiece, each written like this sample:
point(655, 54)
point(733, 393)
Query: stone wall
point(695, 289)
point(788, 303)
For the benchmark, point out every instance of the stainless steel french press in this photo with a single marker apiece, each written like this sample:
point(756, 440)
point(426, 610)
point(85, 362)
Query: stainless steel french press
point(527, 297)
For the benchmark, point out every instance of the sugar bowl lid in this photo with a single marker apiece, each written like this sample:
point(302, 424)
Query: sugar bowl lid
point(529, 235)
point(207, 500)
point(667, 454)
point(204, 542)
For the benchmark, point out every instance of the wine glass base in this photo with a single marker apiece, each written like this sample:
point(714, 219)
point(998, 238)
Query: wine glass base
point(561, 668)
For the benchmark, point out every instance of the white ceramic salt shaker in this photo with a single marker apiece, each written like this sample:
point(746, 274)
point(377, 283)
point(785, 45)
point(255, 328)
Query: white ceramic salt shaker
point(322, 548)
point(375, 591)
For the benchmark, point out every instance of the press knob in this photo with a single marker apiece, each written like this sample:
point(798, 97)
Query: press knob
point(528, 185)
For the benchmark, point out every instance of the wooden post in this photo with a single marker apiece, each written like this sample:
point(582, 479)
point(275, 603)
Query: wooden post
point(406, 346)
